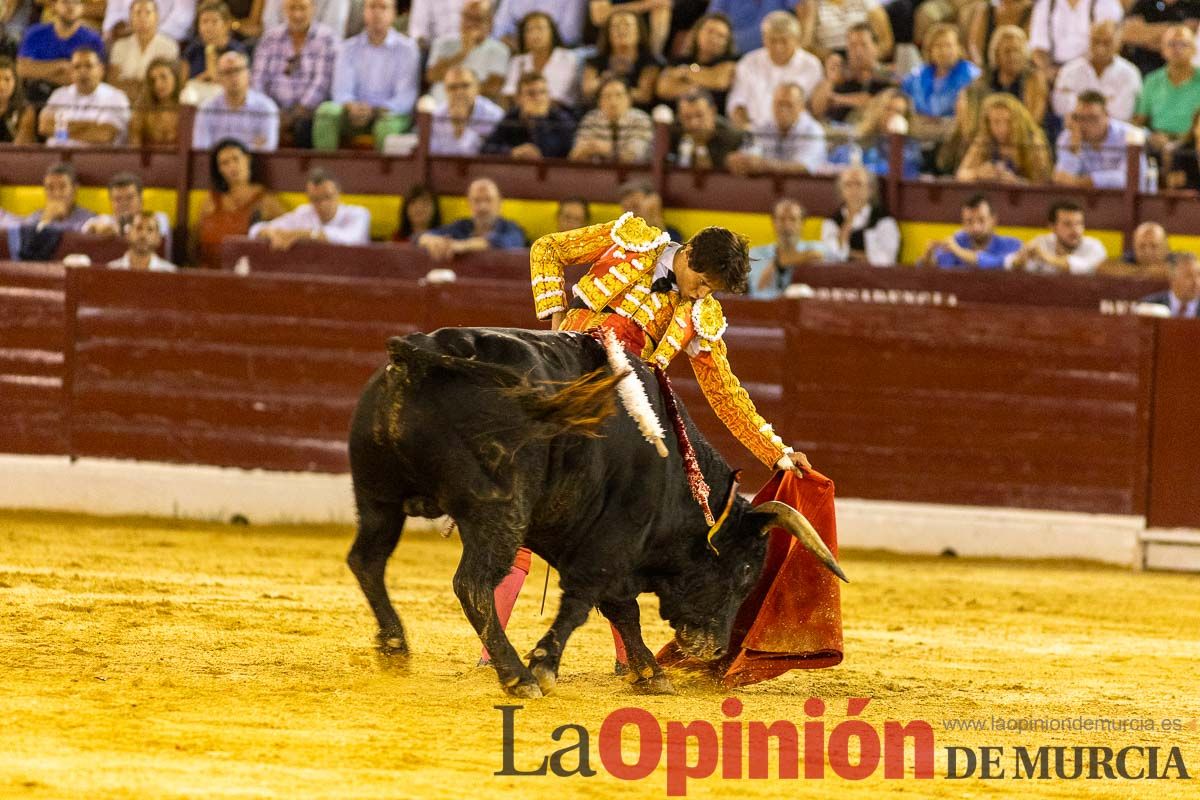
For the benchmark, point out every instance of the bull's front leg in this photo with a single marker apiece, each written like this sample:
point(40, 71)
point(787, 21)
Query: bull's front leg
point(479, 573)
point(644, 672)
point(546, 656)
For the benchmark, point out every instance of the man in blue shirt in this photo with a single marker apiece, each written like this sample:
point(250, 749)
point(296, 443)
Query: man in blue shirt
point(375, 81)
point(44, 60)
point(771, 265)
point(977, 245)
point(1091, 148)
point(485, 229)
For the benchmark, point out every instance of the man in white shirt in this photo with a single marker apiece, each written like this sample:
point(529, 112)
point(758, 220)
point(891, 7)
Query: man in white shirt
point(474, 48)
point(1059, 29)
point(143, 239)
point(125, 199)
point(780, 60)
point(795, 142)
point(1065, 249)
point(87, 112)
point(462, 123)
point(174, 18)
point(1101, 70)
point(238, 112)
point(324, 218)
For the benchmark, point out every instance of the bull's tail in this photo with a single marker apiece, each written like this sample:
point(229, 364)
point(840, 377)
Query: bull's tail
point(580, 406)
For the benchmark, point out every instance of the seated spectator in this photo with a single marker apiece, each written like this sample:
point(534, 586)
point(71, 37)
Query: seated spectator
point(653, 15)
point(890, 110)
point(537, 128)
point(760, 72)
point(977, 245)
point(771, 265)
point(934, 87)
point(632, 193)
point(1058, 32)
point(239, 112)
point(1171, 95)
point(568, 19)
point(88, 112)
point(794, 142)
point(174, 19)
point(429, 20)
point(293, 65)
point(1145, 23)
point(747, 19)
point(214, 35)
point(572, 213)
point(143, 236)
point(324, 218)
point(827, 23)
point(1091, 150)
point(1149, 259)
point(234, 203)
point(1182, 296)
point(624, 53)
point(130, 57)
point(616, 131)
point(60, 210)
point(462, 123)
point(44, 59)
point(418, 214)
point(702, 137)
point(861, 230)
point(540, 50)
point(850, 83)
point(708, 62)
point(1101, 70)
point(16, 116)
point(984, 18)
point(650, 209)
point(375, 82)
point(1011, 70)
point(125, 202)
point(333, 14)
point(1184, 170)
point(473, 48)
point(1009, 148)
point(1065, 249)
point(156, 113)
point(485, 229)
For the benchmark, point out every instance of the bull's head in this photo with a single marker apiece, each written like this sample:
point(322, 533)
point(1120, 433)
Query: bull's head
point(701, 601)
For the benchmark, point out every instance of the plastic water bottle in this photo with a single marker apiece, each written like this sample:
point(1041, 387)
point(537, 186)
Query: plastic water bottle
point(1150, 178)
point(686, 148)
point(60, 128)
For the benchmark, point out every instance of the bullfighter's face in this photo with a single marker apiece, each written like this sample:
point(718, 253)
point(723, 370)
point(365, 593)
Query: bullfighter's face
point(693, 285)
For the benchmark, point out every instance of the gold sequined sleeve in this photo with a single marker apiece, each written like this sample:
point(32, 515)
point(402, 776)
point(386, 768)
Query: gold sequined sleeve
point(733, 405)
point(552, 252)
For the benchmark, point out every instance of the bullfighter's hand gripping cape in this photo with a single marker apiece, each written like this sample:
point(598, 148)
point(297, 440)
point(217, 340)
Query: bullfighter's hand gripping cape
point(792, 618)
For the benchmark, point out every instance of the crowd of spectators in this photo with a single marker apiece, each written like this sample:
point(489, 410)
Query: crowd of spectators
point(987, 91)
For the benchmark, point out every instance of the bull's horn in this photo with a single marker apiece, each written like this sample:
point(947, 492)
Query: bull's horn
point(795, 523)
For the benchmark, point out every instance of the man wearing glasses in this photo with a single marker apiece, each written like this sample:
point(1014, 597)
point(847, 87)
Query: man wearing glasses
point(1091, 149)
point(239, 112)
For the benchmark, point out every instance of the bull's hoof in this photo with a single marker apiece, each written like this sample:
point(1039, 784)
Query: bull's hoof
point(545, 676)
point(655, 684)
point(525, 691)
point(392, 646)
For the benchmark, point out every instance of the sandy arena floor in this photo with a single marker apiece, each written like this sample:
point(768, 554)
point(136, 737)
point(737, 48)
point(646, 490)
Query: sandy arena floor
point(144, 658)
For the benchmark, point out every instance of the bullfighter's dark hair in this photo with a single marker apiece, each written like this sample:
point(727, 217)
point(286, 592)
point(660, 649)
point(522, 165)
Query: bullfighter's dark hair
point(722, 254)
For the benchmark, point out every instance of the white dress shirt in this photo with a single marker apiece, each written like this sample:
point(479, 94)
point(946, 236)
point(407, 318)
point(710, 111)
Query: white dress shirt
point(157, 263)
point(1083, 260)
point(132, 61)
point(175, 17)
point(350, 224)
point(1120, 83)
point(1065, 33)
point(106, 105)
point(756, 77)
point(882, 242)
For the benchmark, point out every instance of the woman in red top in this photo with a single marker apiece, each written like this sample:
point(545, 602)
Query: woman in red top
point(235, 202)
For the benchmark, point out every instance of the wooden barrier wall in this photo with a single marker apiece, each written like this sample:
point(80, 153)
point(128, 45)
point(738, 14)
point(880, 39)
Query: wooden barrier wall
point(979, 405)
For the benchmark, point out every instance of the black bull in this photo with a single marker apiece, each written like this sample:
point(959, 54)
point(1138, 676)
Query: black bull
point(513, 434)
